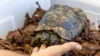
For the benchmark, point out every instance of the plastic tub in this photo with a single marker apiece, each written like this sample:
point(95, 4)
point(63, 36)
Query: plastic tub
point(12, 12)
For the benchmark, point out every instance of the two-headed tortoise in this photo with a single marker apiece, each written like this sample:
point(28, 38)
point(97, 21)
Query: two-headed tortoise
point(60, 23)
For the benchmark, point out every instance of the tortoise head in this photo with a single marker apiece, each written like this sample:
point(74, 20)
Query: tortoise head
point(47, 37)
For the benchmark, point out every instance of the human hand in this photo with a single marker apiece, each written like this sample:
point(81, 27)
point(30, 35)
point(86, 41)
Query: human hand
point(56, 50)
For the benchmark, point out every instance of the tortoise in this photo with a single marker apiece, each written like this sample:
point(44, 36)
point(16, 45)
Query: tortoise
point(60, 24)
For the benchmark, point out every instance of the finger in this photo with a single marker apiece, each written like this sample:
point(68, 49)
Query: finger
point(35, 49)
point(61, 49)
point(72, 46)
point(43, 46)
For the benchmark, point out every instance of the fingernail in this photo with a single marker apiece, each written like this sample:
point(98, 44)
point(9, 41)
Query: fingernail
point(78, 47)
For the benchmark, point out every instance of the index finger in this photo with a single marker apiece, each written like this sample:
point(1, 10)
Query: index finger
point(61, 49)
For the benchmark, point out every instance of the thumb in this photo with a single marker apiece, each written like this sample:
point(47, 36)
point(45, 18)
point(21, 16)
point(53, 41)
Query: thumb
point(61, 49)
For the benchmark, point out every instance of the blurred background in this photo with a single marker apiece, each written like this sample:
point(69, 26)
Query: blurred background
point(12, 12)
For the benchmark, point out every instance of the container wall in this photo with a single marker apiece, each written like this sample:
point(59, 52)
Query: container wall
point(12, 13)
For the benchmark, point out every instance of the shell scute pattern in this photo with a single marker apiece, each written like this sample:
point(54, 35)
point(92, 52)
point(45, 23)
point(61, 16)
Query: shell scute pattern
point(71, 20)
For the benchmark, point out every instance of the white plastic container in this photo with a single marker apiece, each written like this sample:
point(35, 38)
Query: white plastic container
point(12, 12)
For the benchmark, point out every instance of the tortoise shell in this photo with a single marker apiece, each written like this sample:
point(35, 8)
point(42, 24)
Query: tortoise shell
point(64, 20)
